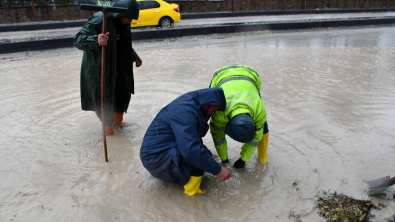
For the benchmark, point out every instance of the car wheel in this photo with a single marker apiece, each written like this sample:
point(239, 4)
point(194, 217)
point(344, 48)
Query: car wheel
point(166, 22)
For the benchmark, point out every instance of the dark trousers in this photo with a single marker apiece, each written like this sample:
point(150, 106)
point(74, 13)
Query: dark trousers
point(122, 94)
point(196, 172)
point(265, 128)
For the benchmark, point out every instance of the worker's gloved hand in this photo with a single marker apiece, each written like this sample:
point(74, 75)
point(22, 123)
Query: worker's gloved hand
point(239, 164)
point(225, 161)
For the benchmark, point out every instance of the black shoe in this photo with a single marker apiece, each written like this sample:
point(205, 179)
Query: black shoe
point(225, 161)
point(239, 164)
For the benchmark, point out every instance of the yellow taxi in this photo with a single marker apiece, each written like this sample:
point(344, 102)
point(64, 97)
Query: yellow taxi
point(157, 12)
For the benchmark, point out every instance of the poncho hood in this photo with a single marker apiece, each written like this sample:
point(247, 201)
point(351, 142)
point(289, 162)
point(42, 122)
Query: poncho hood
point(133, 10)
point(210, 96)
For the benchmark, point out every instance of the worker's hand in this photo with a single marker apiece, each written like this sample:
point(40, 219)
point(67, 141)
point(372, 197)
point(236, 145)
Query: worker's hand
point(102, 39)
point(139, 62)
point(224, 174)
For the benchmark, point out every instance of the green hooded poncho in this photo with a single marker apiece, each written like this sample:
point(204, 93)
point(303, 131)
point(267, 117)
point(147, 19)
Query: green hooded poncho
point(86, 40)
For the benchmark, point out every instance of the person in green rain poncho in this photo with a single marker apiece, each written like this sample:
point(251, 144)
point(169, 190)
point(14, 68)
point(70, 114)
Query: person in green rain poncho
point(120, 56)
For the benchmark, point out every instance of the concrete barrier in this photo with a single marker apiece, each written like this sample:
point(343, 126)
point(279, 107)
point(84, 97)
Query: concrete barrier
point(279, 12)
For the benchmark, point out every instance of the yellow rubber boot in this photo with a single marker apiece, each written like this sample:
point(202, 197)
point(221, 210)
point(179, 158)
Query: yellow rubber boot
point(193, 186)
point(262, 148)
point(118, 118)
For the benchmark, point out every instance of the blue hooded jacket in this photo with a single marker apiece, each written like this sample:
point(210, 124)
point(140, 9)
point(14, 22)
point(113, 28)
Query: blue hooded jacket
point(172, 144)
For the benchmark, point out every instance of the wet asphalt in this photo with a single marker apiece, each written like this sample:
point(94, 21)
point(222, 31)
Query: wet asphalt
point(18, 36)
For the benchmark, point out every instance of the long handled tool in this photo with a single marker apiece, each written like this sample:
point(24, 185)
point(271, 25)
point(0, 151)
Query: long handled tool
point(104, 7)
point(379, 185)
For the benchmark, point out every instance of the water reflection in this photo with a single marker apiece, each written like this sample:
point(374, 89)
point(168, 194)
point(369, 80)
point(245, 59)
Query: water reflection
point(329, 39)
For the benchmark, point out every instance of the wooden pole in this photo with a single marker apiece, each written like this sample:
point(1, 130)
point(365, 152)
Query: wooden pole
point(232, 5)
point(34, 11)
point(103, 59)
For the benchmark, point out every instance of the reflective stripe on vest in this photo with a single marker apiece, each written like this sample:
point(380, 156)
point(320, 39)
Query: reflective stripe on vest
point(220, 142)
point(216, 127)
point(237, 78)
point(234, 67)
point(257, 129)
point(253, 143)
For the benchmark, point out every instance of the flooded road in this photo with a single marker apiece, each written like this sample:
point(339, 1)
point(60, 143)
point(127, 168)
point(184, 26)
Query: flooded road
point(34, 35)
point(329, 96)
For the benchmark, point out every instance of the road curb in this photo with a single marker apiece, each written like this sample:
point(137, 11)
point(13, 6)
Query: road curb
point(36, 45)
point(176, 32)
point(57, 25)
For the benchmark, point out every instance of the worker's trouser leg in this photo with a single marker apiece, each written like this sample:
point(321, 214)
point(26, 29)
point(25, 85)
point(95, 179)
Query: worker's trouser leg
point(197, 172)
point(193, 185)
point(122, 94)
point(262, 146)
point(122, 97)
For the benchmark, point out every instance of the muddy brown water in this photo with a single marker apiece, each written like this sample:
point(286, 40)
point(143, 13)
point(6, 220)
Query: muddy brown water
point(329, 96)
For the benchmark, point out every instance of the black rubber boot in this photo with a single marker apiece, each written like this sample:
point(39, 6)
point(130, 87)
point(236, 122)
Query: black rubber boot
point(239, 164)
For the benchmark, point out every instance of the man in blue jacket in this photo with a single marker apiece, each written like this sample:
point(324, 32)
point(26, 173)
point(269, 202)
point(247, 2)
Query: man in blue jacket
point(173, 149)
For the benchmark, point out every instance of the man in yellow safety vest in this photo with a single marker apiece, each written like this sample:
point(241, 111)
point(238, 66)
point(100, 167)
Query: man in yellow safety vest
point(244, 118)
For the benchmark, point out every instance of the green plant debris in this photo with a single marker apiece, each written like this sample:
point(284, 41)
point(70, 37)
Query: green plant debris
point(105, 4)
point(342, 208)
